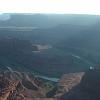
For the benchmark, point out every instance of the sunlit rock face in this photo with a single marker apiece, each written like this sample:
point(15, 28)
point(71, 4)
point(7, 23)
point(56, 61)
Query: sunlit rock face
point(15, 85)
point(20, 86)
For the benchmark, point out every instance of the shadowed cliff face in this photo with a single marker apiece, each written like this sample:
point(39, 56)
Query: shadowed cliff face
point(88, 89)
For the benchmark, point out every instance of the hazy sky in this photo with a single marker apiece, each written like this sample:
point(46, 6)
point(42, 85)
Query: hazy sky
point(50, 6)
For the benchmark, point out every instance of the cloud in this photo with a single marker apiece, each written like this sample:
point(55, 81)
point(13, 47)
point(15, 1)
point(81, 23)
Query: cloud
point(4, 17)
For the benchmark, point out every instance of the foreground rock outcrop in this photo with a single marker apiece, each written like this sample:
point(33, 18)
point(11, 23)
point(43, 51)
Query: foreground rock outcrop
point(88, 89)
point(16, 85)
point(20, 86)
point(65, 84)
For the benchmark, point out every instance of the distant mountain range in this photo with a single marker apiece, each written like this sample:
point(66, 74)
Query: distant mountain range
point(74, 40)
point(47, 20)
